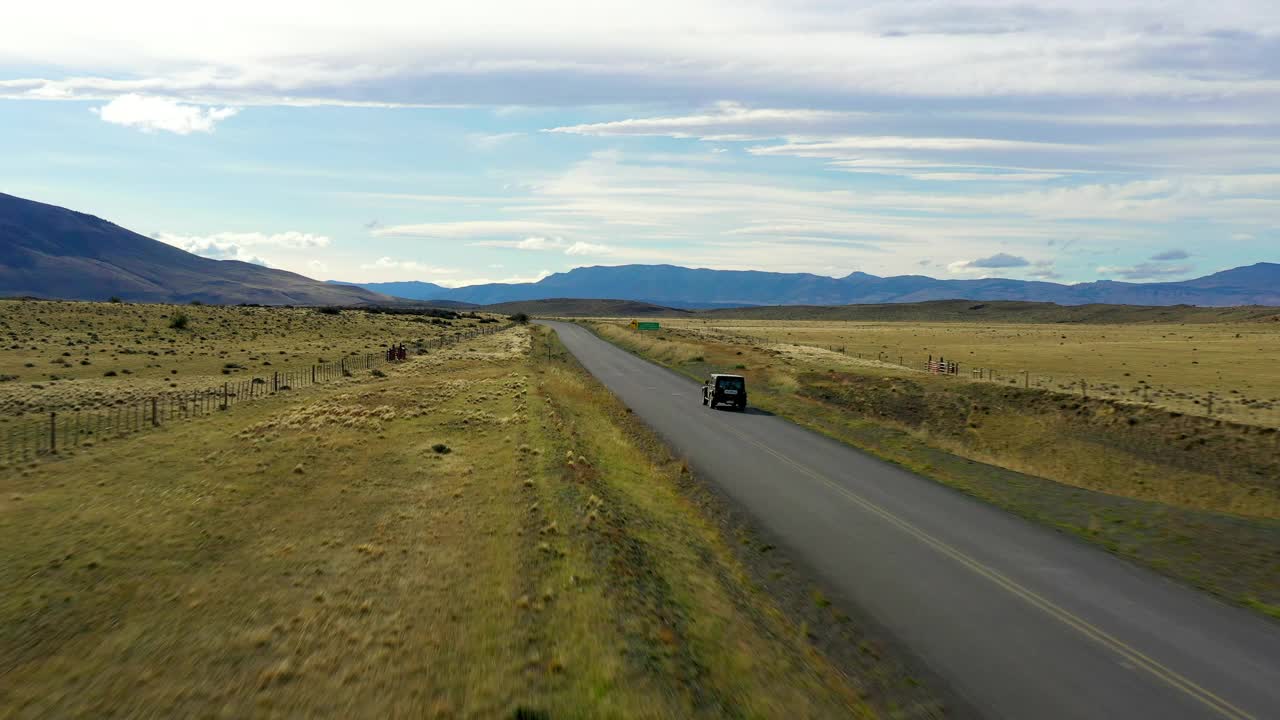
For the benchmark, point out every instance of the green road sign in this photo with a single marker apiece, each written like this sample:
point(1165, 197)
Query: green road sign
point(647, 326)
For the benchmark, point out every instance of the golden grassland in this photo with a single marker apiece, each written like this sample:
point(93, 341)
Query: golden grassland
point(58, 356)
point(1194, 497)
point(474, 533)
point(1176, 366)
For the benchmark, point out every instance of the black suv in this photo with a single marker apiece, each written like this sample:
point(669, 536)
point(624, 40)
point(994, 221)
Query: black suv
point(725, 389)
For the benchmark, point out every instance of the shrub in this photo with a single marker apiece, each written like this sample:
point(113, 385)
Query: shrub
point(441, 449)
point(378, 373)
point(330, 310)
point(179, 321)
point(196, 302)
point(109, 373)
point(114, 299)
point(519, 318)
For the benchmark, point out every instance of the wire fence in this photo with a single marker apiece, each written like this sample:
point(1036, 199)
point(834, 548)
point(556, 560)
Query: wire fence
point(1228, 405)
point(49, 434)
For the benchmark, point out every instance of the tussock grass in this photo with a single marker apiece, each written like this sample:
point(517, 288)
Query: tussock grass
point(90, 355)
point(314, 554)
point(675, 352)
point(1221, 368)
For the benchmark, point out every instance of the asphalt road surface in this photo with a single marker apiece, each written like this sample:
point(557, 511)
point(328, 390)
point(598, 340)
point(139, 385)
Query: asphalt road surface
point(1019, 620)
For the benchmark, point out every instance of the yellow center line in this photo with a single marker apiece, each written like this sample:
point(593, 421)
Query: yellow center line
point(1169, 676)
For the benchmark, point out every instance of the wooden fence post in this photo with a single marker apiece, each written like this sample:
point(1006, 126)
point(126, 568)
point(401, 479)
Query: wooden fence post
point(275, 381)
point(53, 432)
point(155, 416)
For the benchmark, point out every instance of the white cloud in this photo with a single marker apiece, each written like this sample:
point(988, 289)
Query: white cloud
point(855, 147)
point(1147, 271)
point(679, 213)
point(463, 282)
point(543, 244)
point(242, 246)
point(584, 248)
point(563, 52)
point(984, 177)
point(387, 263)
point(318, 267)
point(821, 134)
point(156, 113)
point(535, 243)
point(469, 228)
point(726, 121)
point(985, 265)
point(961, 98)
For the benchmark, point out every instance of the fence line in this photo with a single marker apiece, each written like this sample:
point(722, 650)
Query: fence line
point(1209, 404)
point(47, 435)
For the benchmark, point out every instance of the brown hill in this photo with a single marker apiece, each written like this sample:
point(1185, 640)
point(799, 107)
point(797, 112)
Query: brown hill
point(570, 307)
point(51, 252)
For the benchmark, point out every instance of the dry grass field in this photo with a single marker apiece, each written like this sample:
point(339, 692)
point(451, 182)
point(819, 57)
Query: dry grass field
point(1193, 496)
point(479, 532)
point(60, 356)
point(1226, 370)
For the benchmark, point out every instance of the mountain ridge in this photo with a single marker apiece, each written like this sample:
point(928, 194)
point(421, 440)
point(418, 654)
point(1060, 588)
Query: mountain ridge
point(52, 252)
point(703, 288)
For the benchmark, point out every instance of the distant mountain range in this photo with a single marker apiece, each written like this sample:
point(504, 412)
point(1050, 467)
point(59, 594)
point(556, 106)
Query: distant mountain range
point(51, 252)
point(700, 288)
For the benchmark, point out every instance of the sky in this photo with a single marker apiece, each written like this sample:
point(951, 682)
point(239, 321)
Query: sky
point(460, 143)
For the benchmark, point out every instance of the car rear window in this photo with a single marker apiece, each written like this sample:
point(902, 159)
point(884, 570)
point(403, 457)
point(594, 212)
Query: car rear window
point(729, 383)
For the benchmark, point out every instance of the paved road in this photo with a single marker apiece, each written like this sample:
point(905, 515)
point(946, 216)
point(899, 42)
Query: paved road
point(1023, 622)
